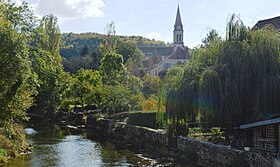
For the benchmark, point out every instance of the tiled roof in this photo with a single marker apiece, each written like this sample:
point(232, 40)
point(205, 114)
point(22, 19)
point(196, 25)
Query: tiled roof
point(156, 51)
point(273, 21)
point(179, 54)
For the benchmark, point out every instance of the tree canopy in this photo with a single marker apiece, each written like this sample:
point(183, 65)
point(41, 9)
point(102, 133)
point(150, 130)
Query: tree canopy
point(232, 80)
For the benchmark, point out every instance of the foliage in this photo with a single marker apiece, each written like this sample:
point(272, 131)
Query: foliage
point(12, 142)
point(211, 37)
point(18, 81)
point(214, 135)
point(232, 80)
point(151, 85)
point(84, 87)
point(112, 69)
point(73, 47)
point(115, 99)
point(217, 135)
point(16, 90)
point(150, 104)
point(145, 119)
point(171, 96)
point(47, 65)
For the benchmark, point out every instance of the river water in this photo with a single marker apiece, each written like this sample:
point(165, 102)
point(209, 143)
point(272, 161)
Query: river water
point(55, 146)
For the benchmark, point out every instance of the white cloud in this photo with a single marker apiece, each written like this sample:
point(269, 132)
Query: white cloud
point(153, 35)
point(70, 9)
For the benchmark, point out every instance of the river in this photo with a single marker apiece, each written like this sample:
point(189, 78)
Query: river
point(56, 146)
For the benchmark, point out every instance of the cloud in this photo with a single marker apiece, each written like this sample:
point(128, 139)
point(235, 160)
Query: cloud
point(153, 35)
point(70, 9)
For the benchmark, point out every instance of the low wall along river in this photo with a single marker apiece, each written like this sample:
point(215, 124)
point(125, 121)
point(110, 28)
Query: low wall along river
point(186, 150)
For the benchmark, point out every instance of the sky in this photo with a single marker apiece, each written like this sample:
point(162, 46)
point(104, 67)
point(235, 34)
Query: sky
point(154, 18)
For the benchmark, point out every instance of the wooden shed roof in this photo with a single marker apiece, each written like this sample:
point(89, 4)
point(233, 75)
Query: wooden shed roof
point(260, 123)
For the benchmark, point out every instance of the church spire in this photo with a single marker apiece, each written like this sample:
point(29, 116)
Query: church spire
point(178, 32)
point(178, 21)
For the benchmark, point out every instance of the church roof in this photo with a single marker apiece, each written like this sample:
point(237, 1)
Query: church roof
point(156, 51)
point(179, 54)
point(178, 18)
point(273, 21)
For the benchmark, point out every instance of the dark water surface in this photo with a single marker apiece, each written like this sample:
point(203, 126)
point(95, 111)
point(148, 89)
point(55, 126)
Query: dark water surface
point(55, 146)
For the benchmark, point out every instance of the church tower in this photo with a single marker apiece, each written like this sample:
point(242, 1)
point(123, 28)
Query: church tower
point(178, 33)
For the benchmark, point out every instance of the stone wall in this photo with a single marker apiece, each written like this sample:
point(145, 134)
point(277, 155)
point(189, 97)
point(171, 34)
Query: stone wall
point(188, 150)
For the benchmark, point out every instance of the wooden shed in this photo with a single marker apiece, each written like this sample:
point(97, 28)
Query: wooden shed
point(265, 136)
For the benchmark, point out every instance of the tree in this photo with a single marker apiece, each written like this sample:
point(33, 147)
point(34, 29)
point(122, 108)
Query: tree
point(151, 85)
point(112, 69)
point(47, 65)
point(49, 37)
point(111, 41)
point(232, 80)
point(17, 91)
point(211, 37)
point(210, 92)
point(83, 88)
point(133, 57)
point(16, 94)
point(20, 16)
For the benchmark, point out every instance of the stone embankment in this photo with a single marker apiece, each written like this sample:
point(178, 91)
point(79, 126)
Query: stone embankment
point(184, 149)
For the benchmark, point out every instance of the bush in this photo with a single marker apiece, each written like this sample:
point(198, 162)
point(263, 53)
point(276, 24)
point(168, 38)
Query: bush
point(146, 119)
point(12, 142)
point(217, 135)
point(3, 156)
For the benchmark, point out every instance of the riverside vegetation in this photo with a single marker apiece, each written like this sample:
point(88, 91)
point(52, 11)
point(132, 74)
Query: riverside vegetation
point(33, 78)
point(227, 80)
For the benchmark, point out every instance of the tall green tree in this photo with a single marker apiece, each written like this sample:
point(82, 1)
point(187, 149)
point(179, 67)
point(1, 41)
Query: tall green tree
point(47, 64)
point(16, 94)
point(17, 85)
point(85, 87)
point(112, 69)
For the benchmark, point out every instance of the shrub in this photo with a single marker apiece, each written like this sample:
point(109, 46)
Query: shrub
point(146, 119)
point(3, 156)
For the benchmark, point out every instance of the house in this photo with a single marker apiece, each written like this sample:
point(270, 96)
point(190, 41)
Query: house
point(265, 136)
point(158, 59)
point(275, 22)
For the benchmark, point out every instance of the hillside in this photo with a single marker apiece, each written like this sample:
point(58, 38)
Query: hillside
point(72, 44)
point(82, 50)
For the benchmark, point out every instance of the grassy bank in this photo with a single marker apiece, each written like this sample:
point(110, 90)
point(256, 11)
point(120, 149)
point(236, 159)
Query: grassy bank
point(13, 142)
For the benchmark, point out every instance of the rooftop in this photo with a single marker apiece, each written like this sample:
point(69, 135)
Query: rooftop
point(260, 123)
point(275, 22)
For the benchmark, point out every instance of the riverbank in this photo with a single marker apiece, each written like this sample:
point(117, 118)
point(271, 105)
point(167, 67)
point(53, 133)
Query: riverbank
point(13, 142)
point(59, 145)
point(182, 149)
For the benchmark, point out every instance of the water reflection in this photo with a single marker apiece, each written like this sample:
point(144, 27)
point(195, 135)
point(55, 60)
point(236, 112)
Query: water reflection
point(77, 151)
point(55, 146)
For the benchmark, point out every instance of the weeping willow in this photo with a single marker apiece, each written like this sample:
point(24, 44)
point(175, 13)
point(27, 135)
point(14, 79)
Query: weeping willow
point(234, 80)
